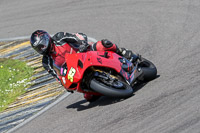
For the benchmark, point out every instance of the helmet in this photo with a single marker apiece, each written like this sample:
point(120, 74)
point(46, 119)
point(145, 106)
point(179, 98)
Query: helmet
point(41, 41)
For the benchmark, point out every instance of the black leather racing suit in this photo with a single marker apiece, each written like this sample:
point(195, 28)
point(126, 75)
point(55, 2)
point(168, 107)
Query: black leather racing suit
point(60, 39)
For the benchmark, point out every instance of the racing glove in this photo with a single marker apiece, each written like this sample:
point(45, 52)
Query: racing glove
point(83, 46)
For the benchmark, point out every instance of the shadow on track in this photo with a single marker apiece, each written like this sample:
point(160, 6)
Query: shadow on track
point(103, 101)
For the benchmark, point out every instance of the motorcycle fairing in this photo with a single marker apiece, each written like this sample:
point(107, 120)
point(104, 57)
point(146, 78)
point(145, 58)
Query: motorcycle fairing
point(79, 62)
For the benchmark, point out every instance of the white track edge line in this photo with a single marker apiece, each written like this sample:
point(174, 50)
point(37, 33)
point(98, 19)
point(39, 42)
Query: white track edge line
point(40, 112)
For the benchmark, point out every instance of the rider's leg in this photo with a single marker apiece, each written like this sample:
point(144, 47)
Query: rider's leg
point(106, 45)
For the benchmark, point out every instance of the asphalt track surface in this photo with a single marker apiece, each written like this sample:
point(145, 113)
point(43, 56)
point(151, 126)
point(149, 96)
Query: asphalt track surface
point(166, 32)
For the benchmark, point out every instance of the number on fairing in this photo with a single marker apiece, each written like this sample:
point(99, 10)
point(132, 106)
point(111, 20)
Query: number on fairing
point(71, 74)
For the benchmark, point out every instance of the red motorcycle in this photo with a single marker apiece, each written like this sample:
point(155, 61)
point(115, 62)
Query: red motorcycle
point(104, 73)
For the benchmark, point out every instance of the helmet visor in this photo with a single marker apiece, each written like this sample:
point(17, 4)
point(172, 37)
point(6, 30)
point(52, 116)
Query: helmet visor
point(43, 45)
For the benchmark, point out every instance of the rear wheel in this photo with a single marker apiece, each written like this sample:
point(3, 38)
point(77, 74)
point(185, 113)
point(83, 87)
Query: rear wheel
point(149, 71)
point(109, 86)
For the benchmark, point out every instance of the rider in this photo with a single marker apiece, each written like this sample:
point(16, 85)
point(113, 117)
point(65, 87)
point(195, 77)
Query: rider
point(54, 48)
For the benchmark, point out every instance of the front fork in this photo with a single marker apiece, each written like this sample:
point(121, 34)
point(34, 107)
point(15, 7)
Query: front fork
point(137, 73)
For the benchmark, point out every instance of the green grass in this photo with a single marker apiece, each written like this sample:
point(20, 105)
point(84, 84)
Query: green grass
point(14, 78)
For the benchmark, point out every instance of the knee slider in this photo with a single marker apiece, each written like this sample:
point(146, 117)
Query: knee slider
point(106, 43)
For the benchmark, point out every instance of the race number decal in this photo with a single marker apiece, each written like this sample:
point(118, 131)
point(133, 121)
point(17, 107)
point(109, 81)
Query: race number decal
point(71, 74)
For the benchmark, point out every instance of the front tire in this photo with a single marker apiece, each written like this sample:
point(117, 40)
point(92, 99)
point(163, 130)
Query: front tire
point(123, 92)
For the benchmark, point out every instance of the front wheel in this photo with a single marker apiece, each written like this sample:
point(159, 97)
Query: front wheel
point(111, 88)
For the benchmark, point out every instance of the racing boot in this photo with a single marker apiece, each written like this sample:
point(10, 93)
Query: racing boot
point(128, 54)
point(121, 51)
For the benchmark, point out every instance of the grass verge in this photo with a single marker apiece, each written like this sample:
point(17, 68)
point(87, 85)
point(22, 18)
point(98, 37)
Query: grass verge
point(15, 77)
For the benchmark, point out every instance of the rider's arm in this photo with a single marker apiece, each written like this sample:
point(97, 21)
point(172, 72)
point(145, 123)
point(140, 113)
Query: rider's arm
point(60, 38)
point(77, 40)
point(47, 64)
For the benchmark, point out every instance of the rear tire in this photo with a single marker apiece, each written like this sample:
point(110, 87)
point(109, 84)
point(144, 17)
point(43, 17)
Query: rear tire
point(149, 70)
point(110, 91)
